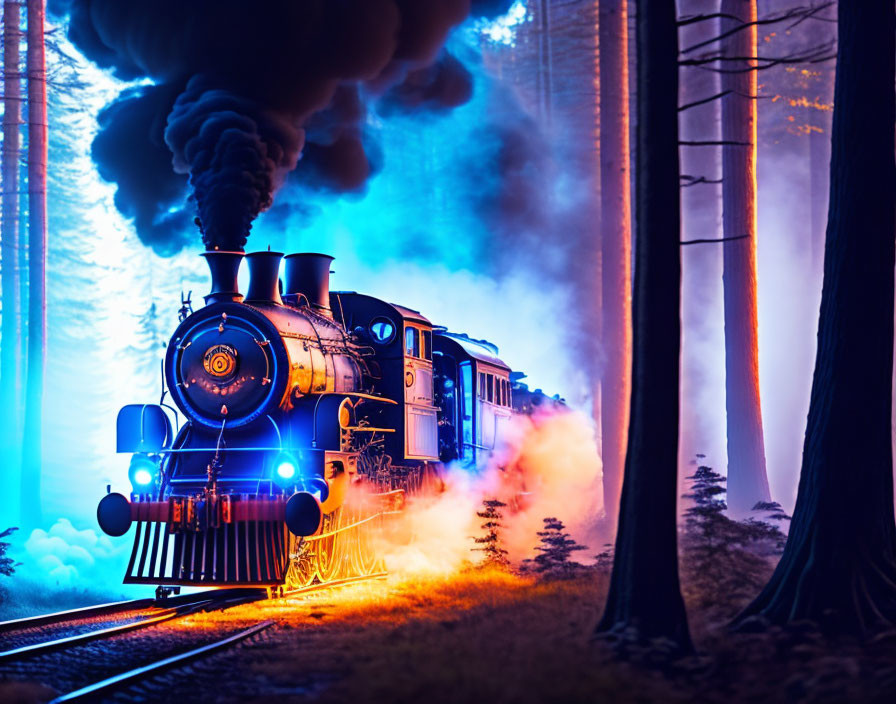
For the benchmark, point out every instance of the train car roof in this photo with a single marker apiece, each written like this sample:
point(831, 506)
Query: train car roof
point(480, 350)
point(405, 313)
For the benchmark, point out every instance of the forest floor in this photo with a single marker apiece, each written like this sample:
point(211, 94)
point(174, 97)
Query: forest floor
point(495, 637)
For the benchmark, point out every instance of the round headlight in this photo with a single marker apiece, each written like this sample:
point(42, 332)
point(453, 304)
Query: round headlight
point(286, 471)
point(142, 477)
point(143, 473)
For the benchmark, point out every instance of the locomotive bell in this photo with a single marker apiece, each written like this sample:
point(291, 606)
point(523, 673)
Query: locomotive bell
point(308, 278)
point(264, 277)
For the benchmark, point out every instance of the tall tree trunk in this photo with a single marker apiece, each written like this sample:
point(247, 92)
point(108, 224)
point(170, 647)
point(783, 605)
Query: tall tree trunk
point(819, 170)
point(10, 292)
point(839, 565)
point(645, 597)
point(616, 235)
point(37, 259)
point(747, 480)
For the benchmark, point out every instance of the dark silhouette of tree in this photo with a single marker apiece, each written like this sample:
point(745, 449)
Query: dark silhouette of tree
point(644, 601)
point(7, 565)
point(747, 478)
point(616, 247)
point(725, 561)
point(494, 554)
point(556, 547)
point(36, 69)
point(839, 565)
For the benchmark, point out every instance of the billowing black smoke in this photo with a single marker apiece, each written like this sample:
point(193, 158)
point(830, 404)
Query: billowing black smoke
point(245, 93)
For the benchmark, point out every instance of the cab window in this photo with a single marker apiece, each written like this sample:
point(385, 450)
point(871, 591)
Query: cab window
point(427, 344)
point(412, 342)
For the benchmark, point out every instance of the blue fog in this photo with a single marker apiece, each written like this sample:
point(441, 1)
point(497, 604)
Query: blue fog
point(423, 233)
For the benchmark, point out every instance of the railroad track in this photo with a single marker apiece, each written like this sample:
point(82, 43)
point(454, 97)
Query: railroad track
point(177, 607)
point(213, 600)
point(154, 668)
point(76, 614)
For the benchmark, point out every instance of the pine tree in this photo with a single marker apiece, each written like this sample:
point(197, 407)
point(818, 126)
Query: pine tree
point(725, 561)
point(7, 566)
point(603, 561)
point(556, 549)
point(495, 555)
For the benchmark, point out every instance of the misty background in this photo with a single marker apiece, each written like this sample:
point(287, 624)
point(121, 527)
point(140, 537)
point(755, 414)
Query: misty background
point(482, 217)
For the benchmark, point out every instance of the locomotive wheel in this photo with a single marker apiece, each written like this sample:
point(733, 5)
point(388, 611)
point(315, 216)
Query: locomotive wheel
point(330, 550)
point(363, 545)
point(302, 567)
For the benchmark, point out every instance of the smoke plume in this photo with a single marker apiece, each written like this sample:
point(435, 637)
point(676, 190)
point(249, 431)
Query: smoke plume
point(547, 465)
point(240, 95)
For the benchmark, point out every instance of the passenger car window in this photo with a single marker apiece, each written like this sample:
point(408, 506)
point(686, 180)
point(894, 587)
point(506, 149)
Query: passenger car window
point(482, 385)
point(491, 388)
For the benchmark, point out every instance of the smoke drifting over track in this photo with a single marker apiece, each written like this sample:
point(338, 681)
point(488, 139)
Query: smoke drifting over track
point(244, 94)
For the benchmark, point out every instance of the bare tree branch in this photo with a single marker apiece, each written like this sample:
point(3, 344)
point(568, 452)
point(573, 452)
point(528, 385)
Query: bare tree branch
point(688, 181)
point(687, 106)
point(814, 55)
point(713, 241)
point(799, 13)
point(713, 143)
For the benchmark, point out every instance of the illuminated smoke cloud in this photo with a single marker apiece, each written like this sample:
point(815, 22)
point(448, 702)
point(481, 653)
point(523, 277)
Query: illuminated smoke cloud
point(240, 90)
point(551, 456)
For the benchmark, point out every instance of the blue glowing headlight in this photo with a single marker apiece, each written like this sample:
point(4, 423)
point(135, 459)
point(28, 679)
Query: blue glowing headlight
point(286, 471)
point(142, 477)
point(143, 473)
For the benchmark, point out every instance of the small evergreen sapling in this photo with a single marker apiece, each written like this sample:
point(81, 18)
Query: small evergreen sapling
point(603, 561)
point(7, 566)
point(556, 550)
point(495, 555)
point(725, 562)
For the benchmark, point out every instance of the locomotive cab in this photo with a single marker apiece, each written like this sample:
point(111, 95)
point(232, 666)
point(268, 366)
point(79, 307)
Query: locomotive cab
point(399, 342)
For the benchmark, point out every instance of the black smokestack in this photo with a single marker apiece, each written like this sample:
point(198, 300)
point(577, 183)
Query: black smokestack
point(236, 83)
point(264, 276)
point(308, 278)
point(224, 268)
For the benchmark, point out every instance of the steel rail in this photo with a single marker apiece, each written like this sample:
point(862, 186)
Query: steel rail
point(75, 614)
point(131, 676)
point(175, 612)
point(49, 645)
point(62, 617)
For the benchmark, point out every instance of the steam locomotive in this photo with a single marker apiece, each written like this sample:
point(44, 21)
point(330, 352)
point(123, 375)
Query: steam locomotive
point(311, 416)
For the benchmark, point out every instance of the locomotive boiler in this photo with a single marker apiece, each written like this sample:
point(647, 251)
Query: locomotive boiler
point(309, 418)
